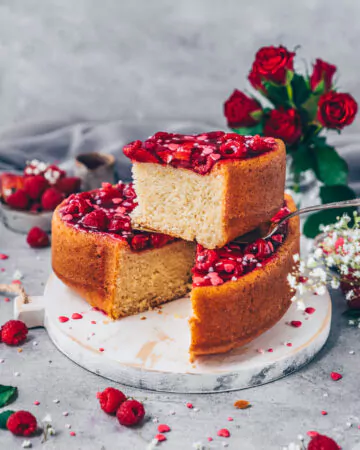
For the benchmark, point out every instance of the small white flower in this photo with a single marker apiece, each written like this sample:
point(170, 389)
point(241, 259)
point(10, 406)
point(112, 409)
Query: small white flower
point(152, 444)
point(351, 322)
point(335, 283)
point(198, 446)
point(302, 267)
point(320, 273)
point(51, 431)
point(26, 444)
point(47, 419)
point(349, 295)
point(321, 290)
point(318, 253)
point(291, 280)
point(300, 305)
point(296, 257)
point(344, 269)
point(311, 263)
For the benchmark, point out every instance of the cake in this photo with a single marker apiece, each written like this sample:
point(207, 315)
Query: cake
point(116, 269)
point(240, 291)
point(209, 188)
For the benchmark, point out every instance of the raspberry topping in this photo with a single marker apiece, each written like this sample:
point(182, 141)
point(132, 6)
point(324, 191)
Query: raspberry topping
point(215, 267)
point(130, 413)
point(111, 399)
point(197, 152)
point(13, 332)
point(107, 210)
point(22, 423)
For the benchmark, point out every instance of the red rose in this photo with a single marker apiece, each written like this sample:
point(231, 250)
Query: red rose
point(336, 110)
point(238, 108)
point(284, 124)
point(256, 81)
point(272, 63)
point(322, 71)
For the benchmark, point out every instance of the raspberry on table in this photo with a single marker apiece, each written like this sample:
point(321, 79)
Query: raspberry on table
point(321, 442)
point(13, 332)
point(130, 413)
point(111, 399)
point(37, 238)
point(22, 423)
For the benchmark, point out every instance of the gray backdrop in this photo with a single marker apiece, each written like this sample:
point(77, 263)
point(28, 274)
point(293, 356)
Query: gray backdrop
point(106, 59)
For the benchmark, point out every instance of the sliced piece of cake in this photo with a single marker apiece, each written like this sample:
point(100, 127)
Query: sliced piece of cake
point(240, 291)
point(116, 269)
point(210, 187)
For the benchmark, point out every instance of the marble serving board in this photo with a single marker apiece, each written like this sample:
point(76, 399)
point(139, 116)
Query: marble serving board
point(152, 353)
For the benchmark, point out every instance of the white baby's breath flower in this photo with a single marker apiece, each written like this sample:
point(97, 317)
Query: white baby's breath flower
point(311, 263)
point(344, 269)
point(318, 253)
point(296, 257)
point(320, 290)
point(302, 267)
point(294, 298)
point(301, 288)
point(349, 295)
point(300, 305)
point(291, 280)
point(320, 273)
point(335, 283)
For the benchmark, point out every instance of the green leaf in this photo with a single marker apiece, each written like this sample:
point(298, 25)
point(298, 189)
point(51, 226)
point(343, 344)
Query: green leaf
point(302, 159)
point(328, 194)
point(256, 129)
point(320, 88)
point(4, 417)
point(289, 76)
point(311, 106)
point(278, 95)
point(301, 91)
point(257, 115)
point(7, 394)
point(330, 168)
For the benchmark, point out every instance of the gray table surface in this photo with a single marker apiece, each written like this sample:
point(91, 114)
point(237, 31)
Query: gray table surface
point(280, 411)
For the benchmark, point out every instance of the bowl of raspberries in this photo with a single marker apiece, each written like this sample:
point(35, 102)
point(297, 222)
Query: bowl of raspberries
point(28, 200)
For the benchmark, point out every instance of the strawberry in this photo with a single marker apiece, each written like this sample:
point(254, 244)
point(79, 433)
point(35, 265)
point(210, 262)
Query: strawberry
point(68, 185)
point(34, 186)
point(18, 200)
point(51, 198)
point(37, 238)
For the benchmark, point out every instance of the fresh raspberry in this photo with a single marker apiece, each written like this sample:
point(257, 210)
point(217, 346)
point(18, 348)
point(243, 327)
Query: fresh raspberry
point(13, 332)
point(51, 198)
point(321, 442)
point(35, 186)
point(22, 423)
point(110, 400)
point(18, 200)
point(130, 413)
point(10, 183)
point(96, 219)
point(37, 238)
point(69, 185)
point(35, 207)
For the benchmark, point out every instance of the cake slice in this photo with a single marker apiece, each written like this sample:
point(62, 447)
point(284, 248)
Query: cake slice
point(210, 187)
point(118, 270)
point(240, 291)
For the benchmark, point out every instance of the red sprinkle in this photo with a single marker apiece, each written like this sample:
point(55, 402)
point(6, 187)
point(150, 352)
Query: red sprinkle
point(302, 279)
point(3, 256)
point(101, 349)
point(2, 270)
point(160, 437)
point(16, 282)
point(324, 413)
point(72, 433)
point(270, 350)
point(36, 403)
point(76, 316)
point(289, 344)
point(162, 428)
point(310, 310)
point(223, 433)
point(6, 299)
point(189, 405)
point(336, 376)
point(93, 322)
point(63, 319)
point(230, 419)
point(296, 323)
point(211, 439)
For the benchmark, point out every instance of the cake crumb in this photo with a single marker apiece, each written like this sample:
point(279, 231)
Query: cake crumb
point(143, 318)
point(242, 404)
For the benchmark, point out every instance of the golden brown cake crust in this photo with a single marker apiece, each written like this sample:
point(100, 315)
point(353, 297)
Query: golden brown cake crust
point(254, 191)
point(236, 312)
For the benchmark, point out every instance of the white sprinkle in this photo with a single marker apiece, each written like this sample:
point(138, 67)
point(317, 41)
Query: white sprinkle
point(225, 444)
point(35, 343)
point(196, 409)
point(18, 275)
point(351, 352)
point(172, 413)
point(65, 413)
point(67, 425)
point(155, 420)
point(300, 437)
point(16, 374)
point(56, 400)
point(260, 350)
point(2, 361)
point(26, 444)
point(325, 394)
point(349, 424)
point(152, 444)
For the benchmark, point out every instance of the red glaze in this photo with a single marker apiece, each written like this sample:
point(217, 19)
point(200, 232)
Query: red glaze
point(215, 267)
point(198, 153)
point(107, 210)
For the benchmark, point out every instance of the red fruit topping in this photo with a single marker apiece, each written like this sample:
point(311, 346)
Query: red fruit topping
point(51, 198)
point(13, 332)
point(258, 144)
point(97, 220)
point(63, 319)
point(139, 242)
point(120, 224)
point(34, 186)
point(296, 323)
point(110, 399)
point(22, 423)
point(281, 214)
point(37, 238)
point(260, 249)
point(336, 376)
point(310, 310)
point(69, 185)
point(18, 200)
point(159, 240)
point(321, 442)
point(77, 206)
point(130, 413)
point(206, 259)
point(129, 192)
point(233, 149)
point(3, 256)
point(76, 316)
point(162, 428)
point(10, 183)
point(135, 152)
point(160, 437)
point(223, 433)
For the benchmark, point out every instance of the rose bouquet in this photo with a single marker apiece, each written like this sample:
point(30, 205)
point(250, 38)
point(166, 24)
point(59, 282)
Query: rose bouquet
point(297, 109)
